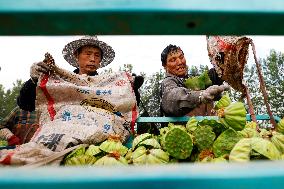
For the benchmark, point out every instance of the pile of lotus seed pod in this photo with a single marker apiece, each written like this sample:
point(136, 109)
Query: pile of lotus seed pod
point(230, 138)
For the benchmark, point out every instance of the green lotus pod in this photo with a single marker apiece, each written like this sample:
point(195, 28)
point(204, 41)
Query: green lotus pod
point(77, 152)
point(266, 148)
point(109, 160)
point(249, 133)
point(191, 124)
point(172, 126)
point(241, 151)
point(154, 156)
point(139, 152)
point(110, 146)
point(225, 142)
point(93, 150)
point(164, 130)
point(223, 102)
point(150, 143)
point(198, 82)
point(280, 126)
point(173, 160)
point(217, 127)
point(81, 160)
point(219, 160)
point(3, 143)
point(128, 156)
point(234, 116)
point(157, 156)
point(251, 125)
point(207, 159)
point(140, 138)
point(265, 133)
point(178, 143)
point(278, 140)
point(204, 137)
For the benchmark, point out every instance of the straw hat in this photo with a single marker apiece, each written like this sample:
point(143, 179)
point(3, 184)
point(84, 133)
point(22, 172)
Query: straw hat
point(68, 51)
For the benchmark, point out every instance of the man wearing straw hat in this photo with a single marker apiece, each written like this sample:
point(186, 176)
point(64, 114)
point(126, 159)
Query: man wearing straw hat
point(86, 54)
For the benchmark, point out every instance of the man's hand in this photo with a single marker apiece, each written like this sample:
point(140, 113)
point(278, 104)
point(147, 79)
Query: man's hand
point(37, 69)
point(211, 92)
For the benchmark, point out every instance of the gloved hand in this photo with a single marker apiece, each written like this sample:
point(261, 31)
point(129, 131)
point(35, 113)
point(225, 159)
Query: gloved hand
point(37, 69)
point(211, 92)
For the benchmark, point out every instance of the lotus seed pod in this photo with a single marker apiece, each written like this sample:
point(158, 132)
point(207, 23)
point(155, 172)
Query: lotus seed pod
point(110, 146)
point(81, 160)
point(128, 156)
point(161, 155)
point(251, 125)
point(139, 154)
point(150, 143)
point(217, 127)
point(191, 124)
point(219, 160)
point(198, 82)
point(164, 130)
point(234, 116)
point(112, 159)
point(77, 152)
point(154, 156)
point(172, 126)
point(266, 148)
point(241, 151)
point(140, 138)
point(280, 126)
point(278, 140)
point(178, 143)
point(204, 137)
point(265, 134)
point(225, 142)
point(223, 102)
point(93, 150)
point(249, 133)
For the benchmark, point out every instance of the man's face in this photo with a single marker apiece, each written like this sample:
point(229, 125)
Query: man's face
point(89, 59)
point(176, 63)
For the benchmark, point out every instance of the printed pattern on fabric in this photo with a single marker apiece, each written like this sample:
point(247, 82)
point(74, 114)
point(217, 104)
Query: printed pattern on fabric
point(72, 112)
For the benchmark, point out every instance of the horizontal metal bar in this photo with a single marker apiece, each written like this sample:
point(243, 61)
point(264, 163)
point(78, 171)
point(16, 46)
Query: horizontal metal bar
point(263, 174)
point(147, 17)
point(186, 118)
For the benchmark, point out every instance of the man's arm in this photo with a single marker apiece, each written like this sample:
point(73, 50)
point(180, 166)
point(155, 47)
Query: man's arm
point(178, 101)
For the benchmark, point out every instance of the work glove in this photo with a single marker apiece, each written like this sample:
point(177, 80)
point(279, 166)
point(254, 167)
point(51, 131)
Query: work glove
point(37, 69)
point(212, 92)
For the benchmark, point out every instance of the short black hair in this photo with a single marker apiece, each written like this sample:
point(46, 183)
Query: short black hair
point(166, 51)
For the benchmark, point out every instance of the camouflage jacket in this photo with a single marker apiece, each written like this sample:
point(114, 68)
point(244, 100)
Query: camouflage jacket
point(177, 100)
